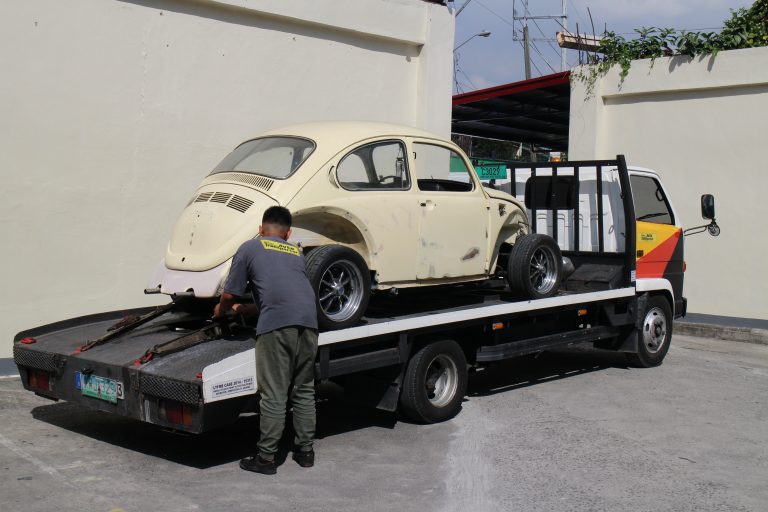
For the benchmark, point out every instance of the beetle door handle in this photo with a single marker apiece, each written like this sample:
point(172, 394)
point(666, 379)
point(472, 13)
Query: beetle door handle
point(428, 204)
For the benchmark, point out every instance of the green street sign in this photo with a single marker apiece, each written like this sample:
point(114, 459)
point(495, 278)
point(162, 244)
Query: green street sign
point(490, 170)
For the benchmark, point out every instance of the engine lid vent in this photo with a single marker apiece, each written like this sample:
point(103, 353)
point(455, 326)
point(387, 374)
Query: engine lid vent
point(249, 179)
point(220, 197)
point(240, 204)
point(203, 197)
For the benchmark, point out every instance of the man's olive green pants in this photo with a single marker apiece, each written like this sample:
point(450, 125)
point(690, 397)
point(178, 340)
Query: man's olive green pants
point(285, 363)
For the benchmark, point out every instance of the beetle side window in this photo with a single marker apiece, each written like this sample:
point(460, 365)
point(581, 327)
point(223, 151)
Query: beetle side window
point(440, 169)
point(651, 204)
point(377, 166)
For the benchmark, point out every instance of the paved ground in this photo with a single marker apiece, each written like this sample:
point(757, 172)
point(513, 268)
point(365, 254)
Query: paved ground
point(566, 431)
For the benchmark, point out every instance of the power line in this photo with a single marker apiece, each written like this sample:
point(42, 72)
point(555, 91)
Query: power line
point(536, 49)
point(547, 40)
point(532, 62)
point(676, 29)
point(502, 18)
point(578, 13)
point(465, 76)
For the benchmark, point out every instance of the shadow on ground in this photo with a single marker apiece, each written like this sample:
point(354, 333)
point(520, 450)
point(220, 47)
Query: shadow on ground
point(530, 370)
point(335, 414)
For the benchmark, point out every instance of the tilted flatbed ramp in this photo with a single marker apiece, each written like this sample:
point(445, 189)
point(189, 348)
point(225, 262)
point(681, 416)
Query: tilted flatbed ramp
point(219, 375)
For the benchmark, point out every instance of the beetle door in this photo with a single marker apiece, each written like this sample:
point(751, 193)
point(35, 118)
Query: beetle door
point(377, 190)
point(453, 215)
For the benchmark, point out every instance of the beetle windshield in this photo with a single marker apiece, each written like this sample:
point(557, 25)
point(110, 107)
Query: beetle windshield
point(275, 157)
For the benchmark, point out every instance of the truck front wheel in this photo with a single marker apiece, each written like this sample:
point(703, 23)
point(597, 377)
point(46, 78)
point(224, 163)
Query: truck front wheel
point(654, 337)
point(435, 383)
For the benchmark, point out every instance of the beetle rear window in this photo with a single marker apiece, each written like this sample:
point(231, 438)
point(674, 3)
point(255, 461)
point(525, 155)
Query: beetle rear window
point(275, 157)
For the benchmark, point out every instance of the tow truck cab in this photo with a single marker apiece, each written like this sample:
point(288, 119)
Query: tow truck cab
point(598, 215)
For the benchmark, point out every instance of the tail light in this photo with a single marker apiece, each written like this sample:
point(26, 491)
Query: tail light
point(176, 412)
point(39, 380)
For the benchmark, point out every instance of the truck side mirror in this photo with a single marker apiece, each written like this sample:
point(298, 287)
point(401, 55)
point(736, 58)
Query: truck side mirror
point(708, 206)
point(708, 213)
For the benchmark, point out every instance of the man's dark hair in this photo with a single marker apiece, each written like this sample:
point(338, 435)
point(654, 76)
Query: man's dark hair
point(277, 216)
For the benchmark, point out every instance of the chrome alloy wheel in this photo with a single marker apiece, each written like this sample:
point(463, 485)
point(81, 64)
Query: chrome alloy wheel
point(654, 330)
point(442, 380)
point(543, 270)
point(341, 290)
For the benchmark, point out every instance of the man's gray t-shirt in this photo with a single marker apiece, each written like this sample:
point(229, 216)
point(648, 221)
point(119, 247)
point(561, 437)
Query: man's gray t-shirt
point(278, 279)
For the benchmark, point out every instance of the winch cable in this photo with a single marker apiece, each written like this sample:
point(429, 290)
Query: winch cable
point(128, 324)
point(220, 328)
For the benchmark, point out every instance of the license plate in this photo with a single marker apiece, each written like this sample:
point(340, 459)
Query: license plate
point(100, 387)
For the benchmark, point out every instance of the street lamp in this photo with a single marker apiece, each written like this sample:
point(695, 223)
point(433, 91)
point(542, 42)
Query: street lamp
point(484, 33)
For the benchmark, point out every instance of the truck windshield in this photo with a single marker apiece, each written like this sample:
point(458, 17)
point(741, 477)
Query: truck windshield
point(275, 157)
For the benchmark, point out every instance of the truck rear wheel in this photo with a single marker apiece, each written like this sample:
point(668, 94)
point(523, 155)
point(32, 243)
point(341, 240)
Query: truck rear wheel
point(535, 267)
point(435, 383)
point(342, 284)
point(653, 339)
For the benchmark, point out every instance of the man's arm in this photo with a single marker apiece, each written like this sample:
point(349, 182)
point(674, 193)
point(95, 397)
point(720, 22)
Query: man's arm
point(226, 303)
point(246, 309)
point(235, 285)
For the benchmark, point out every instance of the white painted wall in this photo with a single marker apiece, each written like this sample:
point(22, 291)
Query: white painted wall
point(112, 112)
point(702, 125)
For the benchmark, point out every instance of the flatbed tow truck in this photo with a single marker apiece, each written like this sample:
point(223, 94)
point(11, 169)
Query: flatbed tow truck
point(174, 367)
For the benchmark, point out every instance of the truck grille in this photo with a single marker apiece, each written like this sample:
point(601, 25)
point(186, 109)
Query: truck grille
point(35, 359)
point(184, 392)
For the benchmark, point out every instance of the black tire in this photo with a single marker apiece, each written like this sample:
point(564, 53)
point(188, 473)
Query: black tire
point(435, 383)
point(655, 336)
point(338, 261)
point(535, 267)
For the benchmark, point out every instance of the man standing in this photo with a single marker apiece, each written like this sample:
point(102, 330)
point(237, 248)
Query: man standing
point(286, 335)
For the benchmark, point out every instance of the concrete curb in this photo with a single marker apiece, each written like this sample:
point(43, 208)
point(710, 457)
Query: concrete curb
point(723, 332)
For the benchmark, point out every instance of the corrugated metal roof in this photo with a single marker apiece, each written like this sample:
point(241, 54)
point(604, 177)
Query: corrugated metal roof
point(534, 111)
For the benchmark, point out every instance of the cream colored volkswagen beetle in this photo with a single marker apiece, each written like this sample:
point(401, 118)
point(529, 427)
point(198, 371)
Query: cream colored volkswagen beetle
point(375, 207)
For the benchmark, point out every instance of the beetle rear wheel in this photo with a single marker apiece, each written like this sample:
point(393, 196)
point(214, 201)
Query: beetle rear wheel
point(342, 285)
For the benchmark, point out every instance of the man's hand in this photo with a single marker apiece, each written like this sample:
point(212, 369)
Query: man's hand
point(225, 304)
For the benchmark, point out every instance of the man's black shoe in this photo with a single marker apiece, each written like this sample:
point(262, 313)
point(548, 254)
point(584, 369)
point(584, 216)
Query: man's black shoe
point(304, 459)
point(259, 465)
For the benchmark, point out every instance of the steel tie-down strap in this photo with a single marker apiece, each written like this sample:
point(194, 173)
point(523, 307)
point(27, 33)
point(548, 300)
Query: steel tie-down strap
point(127, 324)
point(214, 331)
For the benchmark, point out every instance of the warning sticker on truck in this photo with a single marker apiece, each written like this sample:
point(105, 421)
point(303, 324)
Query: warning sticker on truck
point(234, 386)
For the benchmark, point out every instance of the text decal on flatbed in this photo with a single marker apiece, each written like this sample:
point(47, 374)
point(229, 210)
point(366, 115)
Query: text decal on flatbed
point(233, 386)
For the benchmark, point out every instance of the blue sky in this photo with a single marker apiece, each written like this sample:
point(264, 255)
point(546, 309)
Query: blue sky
point(498, 59)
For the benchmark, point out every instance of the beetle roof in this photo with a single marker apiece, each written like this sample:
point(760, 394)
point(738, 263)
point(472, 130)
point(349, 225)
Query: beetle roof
point(343, 133)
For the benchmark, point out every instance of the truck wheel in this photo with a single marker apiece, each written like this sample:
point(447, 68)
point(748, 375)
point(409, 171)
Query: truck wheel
point(342, 284)
point(435, 383)
point(535, 267)
point(654, 338)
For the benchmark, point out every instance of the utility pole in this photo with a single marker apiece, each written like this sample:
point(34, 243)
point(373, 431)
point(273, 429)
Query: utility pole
point(564, 23)
point(527, 52)
point(527, 39)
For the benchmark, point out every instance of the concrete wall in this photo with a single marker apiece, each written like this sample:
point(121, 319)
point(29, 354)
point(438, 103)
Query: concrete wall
point(113, 111)
point(702, 124)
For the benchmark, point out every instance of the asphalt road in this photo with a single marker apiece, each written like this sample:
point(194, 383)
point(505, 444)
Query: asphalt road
point(571, 431)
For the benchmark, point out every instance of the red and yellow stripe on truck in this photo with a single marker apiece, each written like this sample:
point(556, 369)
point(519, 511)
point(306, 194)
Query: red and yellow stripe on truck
point(660, 255)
